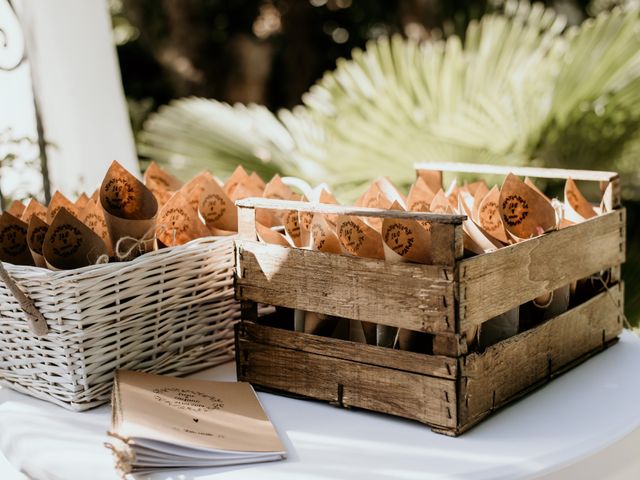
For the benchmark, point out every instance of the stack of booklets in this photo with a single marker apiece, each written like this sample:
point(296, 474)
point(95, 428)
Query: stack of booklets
point(172, 423)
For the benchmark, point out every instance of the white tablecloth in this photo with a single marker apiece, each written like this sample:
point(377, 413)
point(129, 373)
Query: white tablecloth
point(585, 424)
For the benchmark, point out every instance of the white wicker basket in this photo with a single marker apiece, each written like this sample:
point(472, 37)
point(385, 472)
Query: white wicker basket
point(170, 311)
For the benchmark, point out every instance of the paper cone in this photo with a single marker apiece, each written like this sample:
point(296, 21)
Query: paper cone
point(69, 243)
point(13, 241)
point(194, 188)
point(433, 179)
point(359, 239)
point(57, 202)
point(292, 227)
point(157, 178)
point(16, 208)
point(130, 211)
point(178, 223)
point(530, 183)
point(419, 199)
point(489, 217)
point(405, 240)
point(257, 182)
point(36, 231)
point(217, 209)
point(82, 201)
point(525, 213)
point(93, 217)
point(277, 190)
point(304, 221)
point(323, 236)
point(440, 204)
point(34, 208)
point(238, 177)
point(267, 235)
point(576, 207)
point(475, 239)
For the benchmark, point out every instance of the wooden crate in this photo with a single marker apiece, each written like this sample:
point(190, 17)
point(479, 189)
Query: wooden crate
point(451, 388)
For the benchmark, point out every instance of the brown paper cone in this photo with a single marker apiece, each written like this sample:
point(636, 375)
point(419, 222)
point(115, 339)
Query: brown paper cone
point(391, 192)
point(481, 192)
point(178, 223)
point(323, 236)
point(476, 239)
point(82, 201)
point(480, 187)
point(16, 208)
point(433, 179)
point(36, 231)
point(576, 207)
point(57, 202)
point(69, 243)
point(34, 208)
point(13, 241)
point(359, 239)
point(238, 177)
point(440, 203)
point(292, 227)
point(525, 213)
point(419, 200)
point(93, 217)
point(194, 188)
point(157, 178)
point(530, 183)
point(130, 211)
point(277, 190)
point(405, 240)
point(266, 235)
point(304, 221)
point(217, 209)
point(489, 217)
point(257, 182)
point(326, 197)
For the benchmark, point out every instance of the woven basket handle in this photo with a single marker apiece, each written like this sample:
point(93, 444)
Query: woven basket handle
point(35, 319)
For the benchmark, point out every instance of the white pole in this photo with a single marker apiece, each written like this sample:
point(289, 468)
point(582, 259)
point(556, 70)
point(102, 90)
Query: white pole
point(79, 91)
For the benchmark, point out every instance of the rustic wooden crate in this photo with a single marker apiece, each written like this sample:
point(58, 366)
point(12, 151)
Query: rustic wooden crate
point(450, 389)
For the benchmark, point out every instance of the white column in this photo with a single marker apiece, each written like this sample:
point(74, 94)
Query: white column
point(79, 90)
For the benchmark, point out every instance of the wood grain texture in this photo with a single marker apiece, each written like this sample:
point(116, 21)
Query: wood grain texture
point(492, 378)
point(447, 244)
point(536, 172)
point(496, 282)
point(273, 204)
point(349, 384)
point(436, 366)
point(411, 296)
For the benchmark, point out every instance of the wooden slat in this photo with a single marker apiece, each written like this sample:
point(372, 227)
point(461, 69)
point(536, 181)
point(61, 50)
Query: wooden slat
point(536, 172)
point(412, 296)
point(273, 204)
point(447, 244)
point(496, 282)
point(435, 366)
point(504, 370)
point(350, 384)
point(247, 223)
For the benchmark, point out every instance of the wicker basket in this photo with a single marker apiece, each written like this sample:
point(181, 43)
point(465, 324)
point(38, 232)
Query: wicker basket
point(170, 311)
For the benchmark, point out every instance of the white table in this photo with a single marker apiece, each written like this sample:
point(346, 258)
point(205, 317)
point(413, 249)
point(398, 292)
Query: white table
point(585, 424)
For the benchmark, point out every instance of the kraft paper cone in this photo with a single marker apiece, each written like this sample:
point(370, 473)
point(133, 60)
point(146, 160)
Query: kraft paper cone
point(245, 191)
point(373, 198)
point(525, 213)
point(433, 179)
point(391, 192)
point(157, 178)
point(359, 239)
point(194, 188)
point(257, 182)
point(13, 241)
point(530, 183)
point(16, 208)
point(475, 239)
point(178, 223)
point(34, 208)
point(292, 227)
point(405, 240)
point(57, 202)
point(69, 243)
point(452, 194)
point(130, 211)
point(480, 193)
point(576, 207)
point(266, 235)
point(82, 201)
point(304, 221)
point(440, 203)
point(323, 236)
point(419, 199)
point(93, 217)
point(477, 188)
point(326, 197)
point(36, 232)
point(277, 190)
point(489, 217)
point(238, 177)
point(217, 209)
point(95, 196)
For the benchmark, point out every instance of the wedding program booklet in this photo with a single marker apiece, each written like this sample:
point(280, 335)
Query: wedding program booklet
point(164, 422)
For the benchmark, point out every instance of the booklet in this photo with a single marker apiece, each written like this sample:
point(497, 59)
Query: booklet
point(164, 422)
